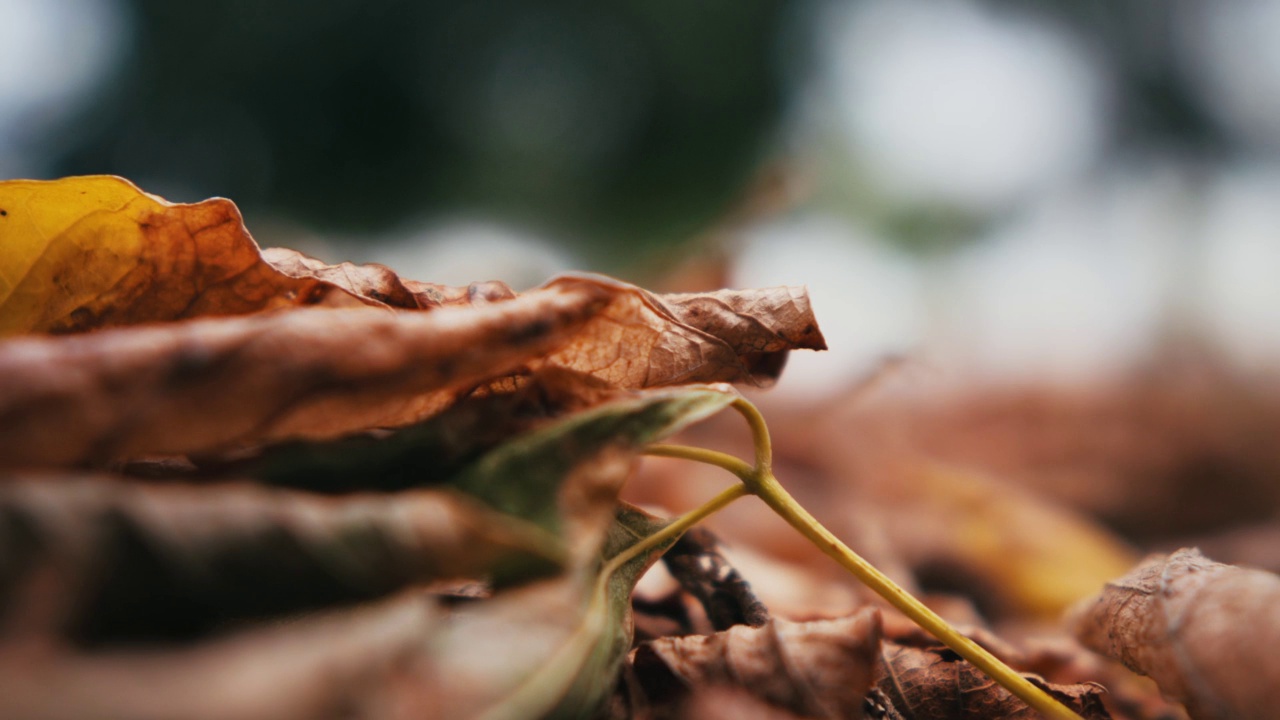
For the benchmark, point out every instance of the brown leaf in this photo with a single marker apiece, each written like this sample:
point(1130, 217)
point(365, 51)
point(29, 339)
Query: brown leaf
point(1207, 633)
point(377, 284)
point(645, 340)
point(817, 669)
point(696, 563)
point(1172, 448)
point(210, 383)
point(725, 703)
point(238, 552)
point(98, 560)
point(369, 662)
point(915, 683)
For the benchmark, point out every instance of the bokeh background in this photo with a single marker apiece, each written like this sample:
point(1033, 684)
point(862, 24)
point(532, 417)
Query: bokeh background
point(1049, 190)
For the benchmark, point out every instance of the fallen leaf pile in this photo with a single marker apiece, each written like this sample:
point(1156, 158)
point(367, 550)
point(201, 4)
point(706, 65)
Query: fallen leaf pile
point(248, 484)
point(1005, 506)
point(243, 483)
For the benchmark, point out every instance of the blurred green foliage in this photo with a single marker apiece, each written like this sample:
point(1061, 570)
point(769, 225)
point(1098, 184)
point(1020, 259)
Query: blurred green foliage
point(633, 122)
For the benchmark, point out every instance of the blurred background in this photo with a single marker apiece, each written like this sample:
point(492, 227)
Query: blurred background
point(1048, 190)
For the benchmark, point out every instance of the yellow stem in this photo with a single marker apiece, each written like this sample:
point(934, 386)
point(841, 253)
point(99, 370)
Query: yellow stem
point(775, 496)
point(673, 530)
point(759, 434)
point(703, 455)
point(761, 482)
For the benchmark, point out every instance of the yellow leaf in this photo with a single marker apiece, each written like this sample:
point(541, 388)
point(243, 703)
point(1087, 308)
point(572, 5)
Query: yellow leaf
point(94, 251)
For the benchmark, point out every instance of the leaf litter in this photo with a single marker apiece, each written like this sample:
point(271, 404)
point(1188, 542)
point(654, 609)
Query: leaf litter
point(246, 483)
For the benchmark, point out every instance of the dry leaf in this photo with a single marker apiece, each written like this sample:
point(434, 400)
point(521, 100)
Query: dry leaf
point(1172, 448)
point(209, 383)
point(726, 703)
point(126, 559)
point(1024, 555)
point(817, 669)
point(1207, 633)
point(96, 252)
point(367, 662)
point(378, 285)
point(696, 563)
point(645, 340)
point(98, 560)
point(915, 683)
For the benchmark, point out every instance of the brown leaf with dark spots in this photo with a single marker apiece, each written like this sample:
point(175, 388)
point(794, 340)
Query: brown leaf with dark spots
point(210, 383)
point(919, 682)
point(1207, 633)
point(816, 669)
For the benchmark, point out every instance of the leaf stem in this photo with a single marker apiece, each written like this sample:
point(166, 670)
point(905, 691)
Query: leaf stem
point(775, 496)
point(539, 693)
point(673, 530)
point(762, 483)
point(703, 455)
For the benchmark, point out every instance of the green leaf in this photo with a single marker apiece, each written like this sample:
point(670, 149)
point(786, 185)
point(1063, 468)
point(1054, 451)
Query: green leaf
point(595, 680)
point(551, 649)
point(523, 477)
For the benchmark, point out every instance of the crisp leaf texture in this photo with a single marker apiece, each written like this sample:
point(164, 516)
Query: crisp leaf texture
point(97, 252)
point(211, 383)
point(932, 682)
point(1207, 633)
point(94, 252)
point(818, 669)
point(644, 340)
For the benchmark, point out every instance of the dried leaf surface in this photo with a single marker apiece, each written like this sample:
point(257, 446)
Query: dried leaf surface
point(209, 383)
point(367, 662)
point(1207, 633)
point(931, 681)
point(238, 553)
point(817, 669)
point(98, 252)
point(644, 340)
point(725, 703)
point(98, 560)
point(695, 561)
point(95, 252)
point(376, 284)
